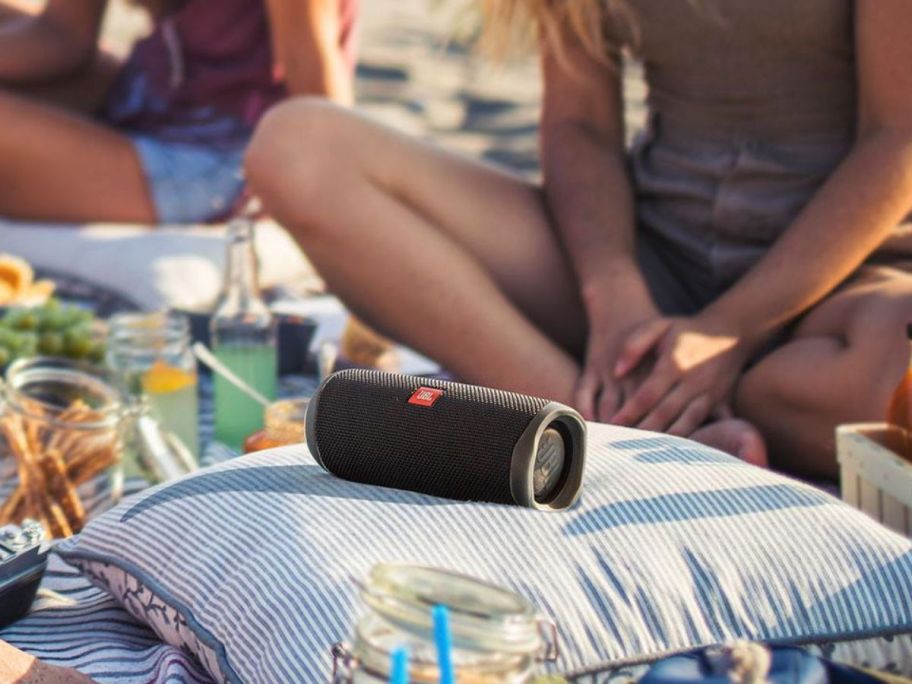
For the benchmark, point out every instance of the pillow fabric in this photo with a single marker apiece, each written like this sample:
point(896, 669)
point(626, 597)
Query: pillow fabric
point(75, 625)
point(250, 565)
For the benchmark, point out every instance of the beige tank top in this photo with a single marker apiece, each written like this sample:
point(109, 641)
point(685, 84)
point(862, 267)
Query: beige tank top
point(765, 68)
point(752, 106)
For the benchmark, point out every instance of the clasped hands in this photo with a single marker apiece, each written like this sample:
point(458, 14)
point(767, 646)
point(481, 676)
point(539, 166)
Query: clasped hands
point(661, 373)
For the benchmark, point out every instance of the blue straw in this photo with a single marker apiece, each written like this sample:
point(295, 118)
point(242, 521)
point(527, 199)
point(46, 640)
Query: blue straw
point(399, 666)
point(443, 639)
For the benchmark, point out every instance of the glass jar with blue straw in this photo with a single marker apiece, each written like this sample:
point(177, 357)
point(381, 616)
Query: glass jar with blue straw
point(424, 626)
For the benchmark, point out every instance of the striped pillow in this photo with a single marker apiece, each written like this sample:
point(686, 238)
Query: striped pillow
point(249, 565)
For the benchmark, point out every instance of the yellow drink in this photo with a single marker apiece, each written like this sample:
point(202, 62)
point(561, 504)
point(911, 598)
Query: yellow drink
point(174, 403)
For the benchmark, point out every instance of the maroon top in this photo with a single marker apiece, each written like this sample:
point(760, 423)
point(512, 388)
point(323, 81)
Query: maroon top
point(206, 74)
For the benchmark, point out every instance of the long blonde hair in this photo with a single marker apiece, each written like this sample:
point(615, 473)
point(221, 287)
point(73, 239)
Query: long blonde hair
point(520, 24)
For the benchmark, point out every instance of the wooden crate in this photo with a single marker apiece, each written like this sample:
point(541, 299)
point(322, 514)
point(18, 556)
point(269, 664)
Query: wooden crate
point(873, 476)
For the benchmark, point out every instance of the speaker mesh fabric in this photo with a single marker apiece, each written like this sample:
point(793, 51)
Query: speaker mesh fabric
point(459, 448)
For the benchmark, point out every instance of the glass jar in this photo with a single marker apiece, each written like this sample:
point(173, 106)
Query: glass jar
point(497, 635)
point(151, 358)
point(284, 426)
point(61, 444)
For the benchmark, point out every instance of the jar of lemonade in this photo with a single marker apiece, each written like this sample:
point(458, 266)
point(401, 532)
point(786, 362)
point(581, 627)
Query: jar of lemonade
point(150, 355)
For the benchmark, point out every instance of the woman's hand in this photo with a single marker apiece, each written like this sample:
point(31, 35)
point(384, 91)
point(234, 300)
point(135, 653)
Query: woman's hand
point(697, 364)
point(599, 393)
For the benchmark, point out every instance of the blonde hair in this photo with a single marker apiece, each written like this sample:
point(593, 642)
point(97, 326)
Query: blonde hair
point(519, 24)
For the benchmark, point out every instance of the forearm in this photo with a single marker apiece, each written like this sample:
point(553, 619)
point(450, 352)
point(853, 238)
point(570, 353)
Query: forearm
point(324, 73)
point(591, 201)
point(849, 217)
point(305, 38)
point(34, 49)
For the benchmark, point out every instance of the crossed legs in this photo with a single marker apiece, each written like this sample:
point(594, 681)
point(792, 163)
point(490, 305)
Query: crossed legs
point(460, 261)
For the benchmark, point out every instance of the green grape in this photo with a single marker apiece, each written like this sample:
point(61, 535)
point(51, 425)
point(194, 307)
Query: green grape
point(69, 316)
point(27, 344)
point(27, 321)
point(77, 342)
point(50, 343)
point(5, 356)
point(11, 343)
point(73, 315)
point(54, 320)
point(11, 318)
point(97, 355)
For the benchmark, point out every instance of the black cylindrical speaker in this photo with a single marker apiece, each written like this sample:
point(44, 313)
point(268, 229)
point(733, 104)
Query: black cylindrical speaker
point(447, 439)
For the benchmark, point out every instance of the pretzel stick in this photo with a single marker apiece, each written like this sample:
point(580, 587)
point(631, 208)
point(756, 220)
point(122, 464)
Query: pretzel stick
point(92, 465)
point(11, 506)
point(60, 526)
point(62, 490)
point(29, 478)
point(32, 479)
point(65, 440)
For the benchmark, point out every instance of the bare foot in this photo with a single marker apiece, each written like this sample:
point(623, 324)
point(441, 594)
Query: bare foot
point(736, 437)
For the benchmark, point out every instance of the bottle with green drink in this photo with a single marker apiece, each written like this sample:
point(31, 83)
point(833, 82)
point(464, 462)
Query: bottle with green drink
point(243, 338)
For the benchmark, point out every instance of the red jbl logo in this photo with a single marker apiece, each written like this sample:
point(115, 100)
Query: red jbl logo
point(425, 396)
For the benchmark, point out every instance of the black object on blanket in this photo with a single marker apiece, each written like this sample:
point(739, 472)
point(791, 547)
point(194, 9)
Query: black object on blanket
point(23, 559)
point(447, 439)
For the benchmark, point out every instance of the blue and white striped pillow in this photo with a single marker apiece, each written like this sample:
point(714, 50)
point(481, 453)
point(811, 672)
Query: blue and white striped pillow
point(249, 565)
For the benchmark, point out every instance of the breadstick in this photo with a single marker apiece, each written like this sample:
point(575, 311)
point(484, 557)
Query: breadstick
point(95, 463)
point(11, 506)
point(62, 490)
point(60, 526)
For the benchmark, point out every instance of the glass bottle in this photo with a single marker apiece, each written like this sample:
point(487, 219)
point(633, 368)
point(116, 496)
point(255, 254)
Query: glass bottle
point(243, 338)
point(498, 637)
point(150, 356)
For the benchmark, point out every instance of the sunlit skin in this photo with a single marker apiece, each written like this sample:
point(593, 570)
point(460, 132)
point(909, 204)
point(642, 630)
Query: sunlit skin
point(57, 163)
point(536, 288)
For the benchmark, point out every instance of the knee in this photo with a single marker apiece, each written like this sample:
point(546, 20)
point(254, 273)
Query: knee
point(878, 352)
point(850, 377)
point(294, 156)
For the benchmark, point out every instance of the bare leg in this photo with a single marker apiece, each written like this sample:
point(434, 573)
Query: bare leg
point(58, 166)
point(83, 92)
point(841, 365)
point(451, 256)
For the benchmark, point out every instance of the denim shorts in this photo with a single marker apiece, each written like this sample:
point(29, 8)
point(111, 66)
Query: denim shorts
point(191, 183)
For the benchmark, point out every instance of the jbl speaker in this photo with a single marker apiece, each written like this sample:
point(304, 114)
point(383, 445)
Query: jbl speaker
point(447, 439)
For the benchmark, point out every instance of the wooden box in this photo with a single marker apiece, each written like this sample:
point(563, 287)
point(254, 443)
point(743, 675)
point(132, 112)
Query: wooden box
point(874, 477)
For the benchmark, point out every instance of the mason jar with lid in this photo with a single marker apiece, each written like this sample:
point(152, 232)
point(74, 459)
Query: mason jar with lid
point(498, 636)
point(61, 433)
point(150, 355)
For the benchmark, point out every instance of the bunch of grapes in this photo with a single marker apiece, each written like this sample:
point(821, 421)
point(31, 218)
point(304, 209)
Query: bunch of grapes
point(49, 330)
